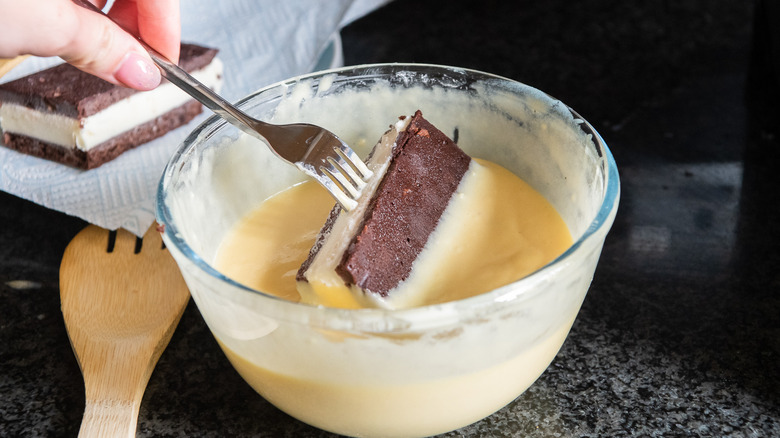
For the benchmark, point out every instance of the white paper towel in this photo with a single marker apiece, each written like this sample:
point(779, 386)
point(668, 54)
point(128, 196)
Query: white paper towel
point(260, 42)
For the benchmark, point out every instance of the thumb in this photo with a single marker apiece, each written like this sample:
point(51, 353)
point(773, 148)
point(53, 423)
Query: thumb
point(100, 47)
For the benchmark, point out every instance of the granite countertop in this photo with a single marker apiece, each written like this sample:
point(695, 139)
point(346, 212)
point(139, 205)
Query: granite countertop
point(679, 334)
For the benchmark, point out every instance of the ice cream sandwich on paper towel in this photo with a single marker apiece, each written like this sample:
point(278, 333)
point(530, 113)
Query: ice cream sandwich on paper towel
point(71, 117)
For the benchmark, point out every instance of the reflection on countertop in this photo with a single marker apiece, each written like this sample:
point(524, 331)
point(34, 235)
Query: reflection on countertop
point(679, 334)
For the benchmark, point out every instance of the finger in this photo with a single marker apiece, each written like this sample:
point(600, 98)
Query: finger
point(125, 13)
point(159, 21)
point(156, 22)
point(101, 47)
point(80, 36)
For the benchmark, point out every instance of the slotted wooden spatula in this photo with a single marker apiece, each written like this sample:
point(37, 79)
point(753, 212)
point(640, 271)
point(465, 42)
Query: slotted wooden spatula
point(122, 298)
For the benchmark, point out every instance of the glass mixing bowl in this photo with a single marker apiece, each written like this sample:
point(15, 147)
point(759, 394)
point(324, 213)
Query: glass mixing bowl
point(373, 372)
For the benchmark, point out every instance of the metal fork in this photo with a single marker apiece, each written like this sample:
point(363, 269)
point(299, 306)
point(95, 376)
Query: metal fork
point(314, 150)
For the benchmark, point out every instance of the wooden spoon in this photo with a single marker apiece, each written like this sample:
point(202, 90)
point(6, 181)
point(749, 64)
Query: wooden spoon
point(121, 302)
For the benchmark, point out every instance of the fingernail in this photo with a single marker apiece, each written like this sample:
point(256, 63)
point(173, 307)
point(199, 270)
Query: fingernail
point(136, 71)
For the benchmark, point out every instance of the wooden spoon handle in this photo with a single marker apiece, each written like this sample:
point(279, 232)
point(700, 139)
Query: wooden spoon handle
point(104, 418)
point(115, 379)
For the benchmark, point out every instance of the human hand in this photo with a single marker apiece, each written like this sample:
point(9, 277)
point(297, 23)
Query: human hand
point(92, 42)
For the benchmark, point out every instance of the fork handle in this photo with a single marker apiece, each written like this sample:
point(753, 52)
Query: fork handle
point(203, 94)
point(179, 77)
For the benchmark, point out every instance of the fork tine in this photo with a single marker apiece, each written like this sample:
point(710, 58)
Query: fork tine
point(354, 162)
point(330, 181)
point(346, 169)
point(348, 172)
point(335, 172)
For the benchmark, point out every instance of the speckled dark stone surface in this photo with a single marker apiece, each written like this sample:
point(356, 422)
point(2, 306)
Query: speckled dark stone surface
point(680, 332)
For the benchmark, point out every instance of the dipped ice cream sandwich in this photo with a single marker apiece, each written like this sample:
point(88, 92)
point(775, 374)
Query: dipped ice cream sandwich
point(365, 257)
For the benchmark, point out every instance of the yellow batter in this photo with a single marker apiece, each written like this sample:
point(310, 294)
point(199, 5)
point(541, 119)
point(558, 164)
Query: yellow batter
point(500, 230)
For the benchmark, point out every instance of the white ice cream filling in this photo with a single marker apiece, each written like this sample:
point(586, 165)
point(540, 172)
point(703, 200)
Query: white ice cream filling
point(464, 203)
point(122, 116)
